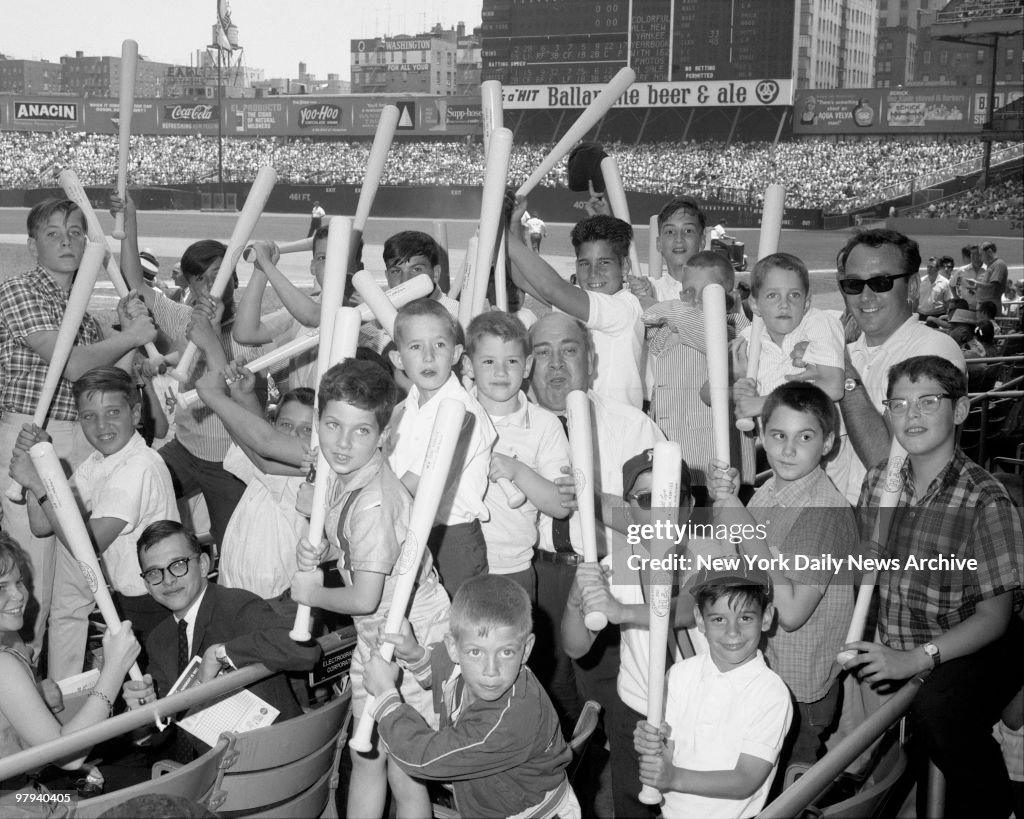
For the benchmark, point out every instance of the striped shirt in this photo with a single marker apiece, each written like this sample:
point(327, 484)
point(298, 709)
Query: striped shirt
point(34, 303)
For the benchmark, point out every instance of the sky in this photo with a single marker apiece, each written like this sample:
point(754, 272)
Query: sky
point(276, 34)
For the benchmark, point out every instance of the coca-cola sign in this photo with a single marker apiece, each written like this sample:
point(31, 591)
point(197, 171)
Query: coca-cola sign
point(320, 115)
point(190, 113)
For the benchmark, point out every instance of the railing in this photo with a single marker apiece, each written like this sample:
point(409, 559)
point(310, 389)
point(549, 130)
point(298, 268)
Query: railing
point(75, 743)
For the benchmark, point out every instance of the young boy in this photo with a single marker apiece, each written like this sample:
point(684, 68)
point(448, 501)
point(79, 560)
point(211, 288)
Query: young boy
point(598, 300)
point(499, 740)
point(531, 448)
point(366, 526)
point(408, 254)
point(124, 486)
point(781, 289)
point(803, 514)
point(681, 231)
point(958, 621)
point(726, 712)
point(426, 337)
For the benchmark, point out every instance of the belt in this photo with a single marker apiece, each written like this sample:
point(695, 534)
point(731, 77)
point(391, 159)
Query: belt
point(559, 558)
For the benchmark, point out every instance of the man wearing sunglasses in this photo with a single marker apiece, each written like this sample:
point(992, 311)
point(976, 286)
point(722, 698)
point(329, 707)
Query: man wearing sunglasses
point(878, 277)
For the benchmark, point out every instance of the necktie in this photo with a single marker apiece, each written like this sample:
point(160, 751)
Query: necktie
point(182, 745)
point(183, 657)
point(560, 526)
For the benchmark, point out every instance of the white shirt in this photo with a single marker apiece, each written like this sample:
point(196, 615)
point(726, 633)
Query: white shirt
point(667, 288)
point(717, 716)
point(407, 449)
point(618, 340)
point(133, 485)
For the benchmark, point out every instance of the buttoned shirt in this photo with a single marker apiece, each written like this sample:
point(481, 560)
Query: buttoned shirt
point(963, 513)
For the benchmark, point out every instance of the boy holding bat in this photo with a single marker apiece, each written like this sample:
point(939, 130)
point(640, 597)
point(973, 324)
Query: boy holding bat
point(366, 526)
point(531, 448)
point(32, 311)
point(726, 712)
point(499, 739)
point(803, 514)
point(951, 606)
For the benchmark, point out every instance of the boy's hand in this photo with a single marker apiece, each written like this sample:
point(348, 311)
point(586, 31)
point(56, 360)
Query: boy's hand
point(50, 692)
point(515, 219)
point(117, 204)
point(876, 663)
point(200, 330)
point(567, 488)
point(723, 482)
point(137, 694)
point(648, 739)
point(597, 204)
point(130, 307)
point(640, 286)
point(797, 356)
point(24, 472)
point(239, 379)
point(596, 596)
point(810, 374)
point(28, 436)
point(306, 583)
point(264, 254)
point(379, 676)
point(503, 466)
point(738, 350)
point(308, 556)
point(406, 648)
point(657, 770)
point(747, 403)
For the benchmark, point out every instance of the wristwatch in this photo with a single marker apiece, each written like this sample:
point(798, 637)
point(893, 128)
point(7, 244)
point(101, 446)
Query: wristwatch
point(850, 384)
point(932, 651)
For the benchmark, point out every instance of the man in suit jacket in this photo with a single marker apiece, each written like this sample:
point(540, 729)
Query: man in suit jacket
point(228, 628)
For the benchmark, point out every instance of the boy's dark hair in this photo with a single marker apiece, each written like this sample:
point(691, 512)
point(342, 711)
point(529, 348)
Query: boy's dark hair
point(800, 396)
point(198, 256)
point(682, 203)
point(940, 370)
point(985, 331)
point(957, 304)
point(163, 529)
point(41, 213)
point(105, 379)
point(13, 556)
point(490, 601)
point(602, 228)
point(715, 261)
point(987, 309)
point(909, 250)
point(408, 243)
point(319, 236)
point(362, 384)
point(784, 261)
point(301, 395)
point(737, 595)
point(500, 324)
point(426, 307)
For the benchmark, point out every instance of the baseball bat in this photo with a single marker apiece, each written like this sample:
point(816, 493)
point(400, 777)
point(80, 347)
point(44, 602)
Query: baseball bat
point(492, 111)
point(339, 235)
point(581, 448)
point(298, 246)
point(717, 344)
point(889, 499)
point(459, 285)
point(500, 277)
point(668, 460)
point(377, 301)
point(753, 357)
point(126, 106)
point(382, 139)
point(602, 104)
point(771, 220)
point(491, 204)
point(653, 254)
point(444, 437)
point(78, 302)
point(616, 194)
point(266, 177)
point(74, 191)
point(79, 543)
point(513, 494)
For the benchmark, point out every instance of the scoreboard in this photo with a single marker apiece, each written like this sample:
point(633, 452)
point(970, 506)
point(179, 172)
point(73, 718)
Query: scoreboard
point(538, 42)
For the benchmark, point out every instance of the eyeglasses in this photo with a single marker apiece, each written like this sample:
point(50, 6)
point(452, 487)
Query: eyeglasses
point(880, 284)
point(641, 499)
point(926, 404)
point(177, 568)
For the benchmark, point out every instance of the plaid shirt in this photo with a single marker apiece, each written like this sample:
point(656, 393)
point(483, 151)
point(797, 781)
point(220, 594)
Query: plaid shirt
point(964, 512)
point(34, 303)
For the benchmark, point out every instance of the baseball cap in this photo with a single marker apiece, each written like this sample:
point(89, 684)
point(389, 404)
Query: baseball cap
point(644, 462)
point(150, 266)
point(730, 571)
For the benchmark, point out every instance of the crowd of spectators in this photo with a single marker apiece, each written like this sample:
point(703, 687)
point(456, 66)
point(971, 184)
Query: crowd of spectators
point(833, 176)
point(1002, 201)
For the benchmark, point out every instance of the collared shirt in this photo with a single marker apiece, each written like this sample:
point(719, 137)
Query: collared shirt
point(193, 611)
point(964, 513)
point(715, 716)
point(912, 338)
point(809, 517)
point(618, 338)
point(933, 294)
point(34, 303)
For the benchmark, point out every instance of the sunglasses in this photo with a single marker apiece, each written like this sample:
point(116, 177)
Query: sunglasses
point(879, 284)
point(641, 499)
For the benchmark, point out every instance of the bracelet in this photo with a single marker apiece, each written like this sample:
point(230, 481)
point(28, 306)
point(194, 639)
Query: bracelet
point(95, 692)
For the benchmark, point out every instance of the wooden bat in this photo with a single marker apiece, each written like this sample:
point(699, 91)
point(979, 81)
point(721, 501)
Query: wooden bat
point(440, 230)
point(653, 254)
point(298, 246)
point(500, 277)
point(602, 104)
point(266, 177)
point(339, 234)
point(79, 543)
point(514, 496)
point(126, 106)
point(616, 194)
point(753, 357)
point(386, 126)
point(717, 345)
point(889, 499)
point(78, 303)
point(459, 285)
point(74, 191)
point(771, 220)
point(444, 437)
point(581, 449)
point(665, 489)
point(491, 204)
point(492, 111)
point(383, 306)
